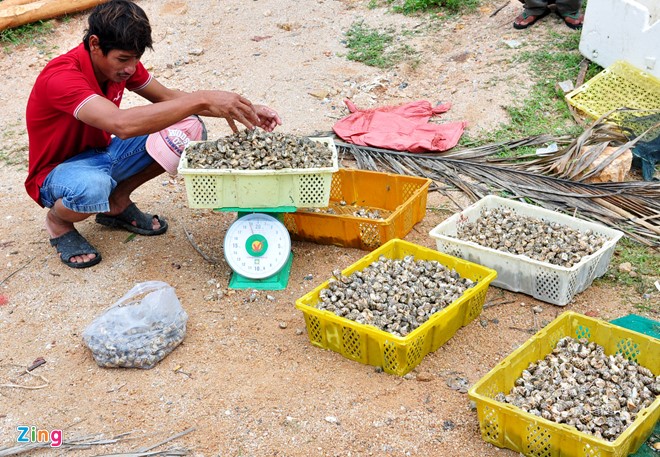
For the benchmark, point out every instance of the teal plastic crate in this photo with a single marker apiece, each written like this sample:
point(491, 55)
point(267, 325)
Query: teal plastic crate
point(648, 327)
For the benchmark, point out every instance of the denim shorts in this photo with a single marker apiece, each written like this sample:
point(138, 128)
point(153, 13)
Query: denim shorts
point(84, 182)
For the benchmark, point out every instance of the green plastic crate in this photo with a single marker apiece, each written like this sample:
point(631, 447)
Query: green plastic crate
point(291, 187)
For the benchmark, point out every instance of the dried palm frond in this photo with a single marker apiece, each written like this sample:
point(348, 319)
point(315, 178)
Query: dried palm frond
point(632, 207)
point(574, 158)
point(576, 161)
point(484, 153)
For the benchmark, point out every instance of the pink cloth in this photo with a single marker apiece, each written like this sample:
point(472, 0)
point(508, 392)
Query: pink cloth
point(401, 128)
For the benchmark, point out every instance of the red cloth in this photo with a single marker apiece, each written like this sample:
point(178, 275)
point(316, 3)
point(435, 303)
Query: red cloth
point(401, 128)
point(54, 131)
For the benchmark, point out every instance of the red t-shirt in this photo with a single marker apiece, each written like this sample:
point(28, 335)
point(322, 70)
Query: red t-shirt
point(55, 133)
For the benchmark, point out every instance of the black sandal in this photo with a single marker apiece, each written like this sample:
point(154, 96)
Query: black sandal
point(143, 221)
point(72, 244)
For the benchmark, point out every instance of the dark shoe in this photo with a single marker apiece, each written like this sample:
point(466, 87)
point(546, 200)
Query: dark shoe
point(573, 21)
point(72, 244)
point(525, 20)
point(133, 220)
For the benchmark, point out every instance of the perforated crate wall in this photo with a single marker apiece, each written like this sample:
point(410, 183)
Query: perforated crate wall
point(403, 197)
point(353, 345)
point(370, 345)
point(505, 425)
point(313, 190)
point(370, 235)
point(518, 273)
point(335, 187)
point(620, 85)
point(203, 191)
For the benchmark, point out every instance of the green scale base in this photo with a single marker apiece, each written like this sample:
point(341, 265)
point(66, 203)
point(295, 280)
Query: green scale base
point(279, 280)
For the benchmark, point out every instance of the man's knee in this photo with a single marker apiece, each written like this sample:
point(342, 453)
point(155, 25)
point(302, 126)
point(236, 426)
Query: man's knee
point(89, 195)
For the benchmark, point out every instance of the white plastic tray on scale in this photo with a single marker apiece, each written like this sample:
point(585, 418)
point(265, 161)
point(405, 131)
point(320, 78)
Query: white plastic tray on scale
point(250, 189)
point(542, 280)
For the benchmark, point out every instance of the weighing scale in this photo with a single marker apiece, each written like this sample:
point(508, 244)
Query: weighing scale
point(257, 247)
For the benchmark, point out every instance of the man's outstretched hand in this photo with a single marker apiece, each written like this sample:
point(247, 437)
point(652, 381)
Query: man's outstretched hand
point(268, 119)
point(236, 108)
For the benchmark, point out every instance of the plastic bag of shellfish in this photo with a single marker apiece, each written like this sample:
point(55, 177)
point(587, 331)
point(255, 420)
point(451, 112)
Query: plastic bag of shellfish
point(140, 329)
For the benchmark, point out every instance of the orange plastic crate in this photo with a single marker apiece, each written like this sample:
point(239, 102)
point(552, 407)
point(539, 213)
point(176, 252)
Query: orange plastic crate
point(402, 197)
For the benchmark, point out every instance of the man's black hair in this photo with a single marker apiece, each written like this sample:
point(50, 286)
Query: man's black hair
point(119, 24)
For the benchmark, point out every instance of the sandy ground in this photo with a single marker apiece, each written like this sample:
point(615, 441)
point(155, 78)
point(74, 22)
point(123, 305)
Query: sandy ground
point(246, 379)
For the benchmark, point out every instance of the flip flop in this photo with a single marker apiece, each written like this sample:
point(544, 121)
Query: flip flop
point(524, 20)
point(573, 21)
point(72, 244)
point(126, 219)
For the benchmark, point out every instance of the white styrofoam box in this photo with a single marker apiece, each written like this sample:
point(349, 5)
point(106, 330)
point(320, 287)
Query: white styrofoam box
point(518, 273)
point(622, 30)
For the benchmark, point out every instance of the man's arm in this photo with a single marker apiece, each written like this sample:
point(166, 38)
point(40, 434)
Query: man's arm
point(155, 92)
point(168, 107)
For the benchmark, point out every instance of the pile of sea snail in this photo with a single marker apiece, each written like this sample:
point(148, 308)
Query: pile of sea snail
point(259, 150)
point(551, 242)
point(578, 385)
point(395, 295)
point(137, 347)
point(366, 213)
point(340, 208)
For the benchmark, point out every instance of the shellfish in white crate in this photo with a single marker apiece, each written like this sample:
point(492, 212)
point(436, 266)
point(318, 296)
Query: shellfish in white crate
point(542, 253)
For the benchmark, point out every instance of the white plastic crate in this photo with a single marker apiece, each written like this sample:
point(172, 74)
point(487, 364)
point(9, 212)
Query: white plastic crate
point(622, 30)
point(298, 187)
point(542, 280)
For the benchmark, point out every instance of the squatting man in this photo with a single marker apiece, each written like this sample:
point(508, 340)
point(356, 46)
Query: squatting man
point(87, 155)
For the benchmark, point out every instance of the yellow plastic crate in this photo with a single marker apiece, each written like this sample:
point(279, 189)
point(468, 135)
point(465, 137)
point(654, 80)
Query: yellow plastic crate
point(507, 426)
point(370, 345)
point(220, 188)
point(403, 197)
point(619, 85)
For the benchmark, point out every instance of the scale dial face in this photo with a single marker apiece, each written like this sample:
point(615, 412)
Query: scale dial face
point(257, 246)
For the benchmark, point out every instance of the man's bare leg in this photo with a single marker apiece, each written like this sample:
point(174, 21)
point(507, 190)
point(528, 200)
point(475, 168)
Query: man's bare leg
point(120, 198)
point(60, 220)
